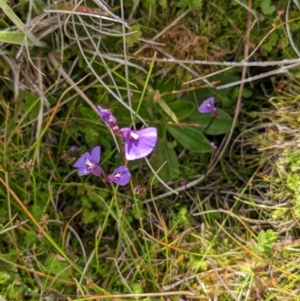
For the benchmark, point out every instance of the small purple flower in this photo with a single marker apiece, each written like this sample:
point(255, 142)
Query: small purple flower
point(183, 182)
point(120, 176)
point(138, 144)
point(213, 146)
point(108, 117)
point(208, 106)
point(88, 163)
point(74, 149)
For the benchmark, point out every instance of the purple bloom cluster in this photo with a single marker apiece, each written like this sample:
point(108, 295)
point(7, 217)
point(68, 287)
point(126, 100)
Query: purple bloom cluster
point(88, 163)
point(137, 145)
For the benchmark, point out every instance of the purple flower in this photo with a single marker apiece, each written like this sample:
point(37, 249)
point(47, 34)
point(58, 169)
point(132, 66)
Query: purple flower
point(208, 106)
point(74, 149)
point(138, 144)
point(107, 116)
point(120, 176)
point(88, 163)
point(213, 146)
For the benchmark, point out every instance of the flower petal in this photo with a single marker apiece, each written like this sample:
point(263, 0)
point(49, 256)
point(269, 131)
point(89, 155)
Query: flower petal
point(124, 133)
point(81, 162)
point(208, 106)
point(142, 146)
point(108, 117)
point(88, 163)
point(120, 176)
point(95, 154)
point(96, 171)
point(83, 172)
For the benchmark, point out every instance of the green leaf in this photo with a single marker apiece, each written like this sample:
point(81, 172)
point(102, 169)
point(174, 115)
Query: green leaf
point(91, 136)
point(123, 115)
point(54, 266)
point(37, 210)
point(191, 138)
point(31, 237)
point(216, 127)
point(167, 88)
point(40, 5)
point(271, 42)
point(266, 7)
point(182, 109)
point(165, 160)
point(89, 216)
point(195, 5)
point(266, 240)
point(293, 181)
point(161, 128)
point(163, 3)
point(30, 105)
point(135, 33)
point(247, 93)
point(90, 115)
point(163, 105)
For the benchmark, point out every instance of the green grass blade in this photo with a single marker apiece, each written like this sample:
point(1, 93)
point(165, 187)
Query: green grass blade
point(14, 38)
point(144, 89)
point(15, 19)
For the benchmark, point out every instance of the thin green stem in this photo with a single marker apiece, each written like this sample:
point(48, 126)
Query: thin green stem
point(144, 89)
